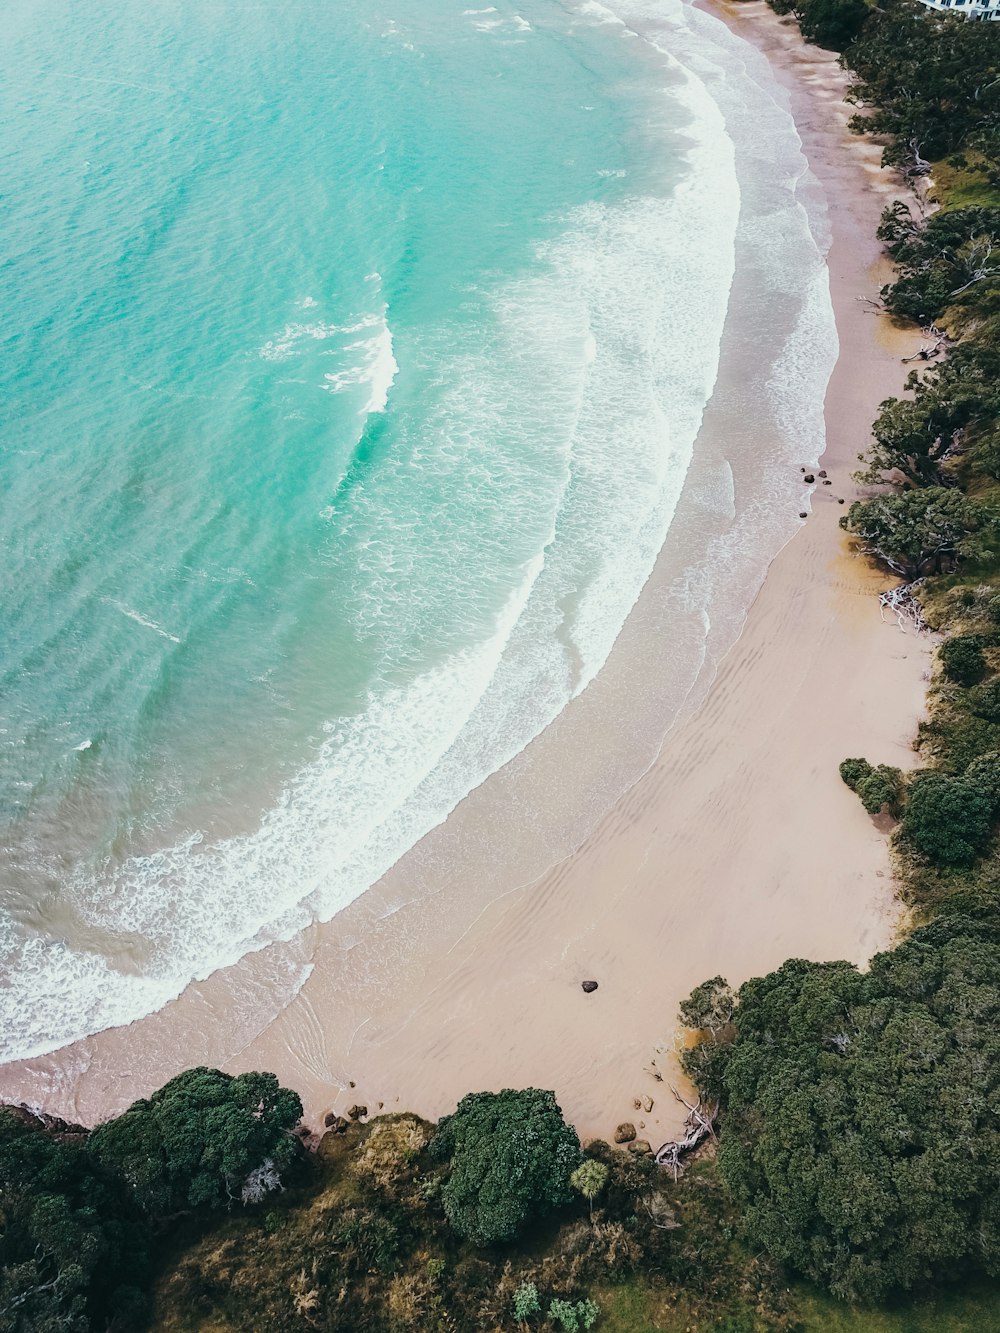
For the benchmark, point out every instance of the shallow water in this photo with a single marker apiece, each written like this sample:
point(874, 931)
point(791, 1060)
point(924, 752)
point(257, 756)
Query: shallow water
point(353, 368)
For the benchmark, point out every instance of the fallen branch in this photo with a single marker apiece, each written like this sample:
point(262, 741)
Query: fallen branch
point(699, 1125)
point(904, 606)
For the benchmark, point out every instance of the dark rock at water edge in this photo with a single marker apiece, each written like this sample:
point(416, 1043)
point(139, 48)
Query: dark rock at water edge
point(589, 987)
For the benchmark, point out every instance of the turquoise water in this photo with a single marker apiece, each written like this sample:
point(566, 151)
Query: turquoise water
point(343, 415)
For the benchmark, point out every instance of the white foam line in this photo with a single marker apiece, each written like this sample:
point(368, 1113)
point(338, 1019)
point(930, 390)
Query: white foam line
point(141, 619)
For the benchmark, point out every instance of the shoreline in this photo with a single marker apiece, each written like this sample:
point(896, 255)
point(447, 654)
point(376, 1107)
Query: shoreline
point(742, 813)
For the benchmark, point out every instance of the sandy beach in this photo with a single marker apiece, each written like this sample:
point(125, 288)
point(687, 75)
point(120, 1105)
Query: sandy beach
point(737, 848)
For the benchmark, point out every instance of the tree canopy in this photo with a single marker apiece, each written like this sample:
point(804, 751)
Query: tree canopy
point(193, 1143)
point(73, 1247)
point(928, 81)
point(512, 1155)
point(924, 531)
point(861, 1133)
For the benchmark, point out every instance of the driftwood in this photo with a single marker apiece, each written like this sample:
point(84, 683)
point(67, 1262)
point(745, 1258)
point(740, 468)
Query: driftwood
point(698, 1126)
point(903, 604)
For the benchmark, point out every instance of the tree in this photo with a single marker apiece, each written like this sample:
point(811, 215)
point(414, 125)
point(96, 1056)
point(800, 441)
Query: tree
point(589, 1179)
point(830, 23)
point(922, 532)
point(951, 259)
point(73, 1247)
point(194, 1143)
point(860, 1137)
point(877, 787)
point(512, 1155)
point(961, 658)
point(928, 81)
point(947, 818)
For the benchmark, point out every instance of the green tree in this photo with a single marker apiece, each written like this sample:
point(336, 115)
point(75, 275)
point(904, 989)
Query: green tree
point(73, 1247)
point(923, 531)
point(961, 658)
point(928, 81)
point(860, 1136)
point(589, 1179)
point(947, 818)
point(512, 1155)
point(195, 1142)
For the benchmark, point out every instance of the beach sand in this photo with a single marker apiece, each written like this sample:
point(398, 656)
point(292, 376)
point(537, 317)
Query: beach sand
point(737, 848)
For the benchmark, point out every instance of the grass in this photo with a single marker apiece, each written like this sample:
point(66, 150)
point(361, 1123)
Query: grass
point(956, 187)
point(975, 1308)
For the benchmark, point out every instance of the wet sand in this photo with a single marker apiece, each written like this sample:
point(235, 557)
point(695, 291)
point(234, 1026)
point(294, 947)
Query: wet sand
point(737, 848)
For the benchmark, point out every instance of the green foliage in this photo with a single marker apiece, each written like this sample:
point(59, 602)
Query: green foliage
point(860, 1138)
point(512, 1155)
point(983, 774)
point(984, 701)
point(571, 1317)
point(961, 658)
point(946, 261)
point(589, 1179)
point(951, 416)
point(881, 789)
point(947, 819)
point(709, 1006)
point(830, 23)
point(928, 81)
point(853, 771)
point(923, 531)
point(526, 1302)
point(193, 1143)
point(72, 1245)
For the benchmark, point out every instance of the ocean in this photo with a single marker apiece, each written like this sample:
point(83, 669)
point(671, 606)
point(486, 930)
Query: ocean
point(354, 358)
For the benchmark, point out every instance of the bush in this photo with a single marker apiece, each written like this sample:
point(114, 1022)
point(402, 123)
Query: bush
point(984, 701)
point(947, 819)
point(194, 1143)
point(572, 1317)
point(876, 787)
point(853, 771)
point(961, 658)
point(526, 1302)
point(512, 1155)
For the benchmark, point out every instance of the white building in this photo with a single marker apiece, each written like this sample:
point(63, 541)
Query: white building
point(971, 9)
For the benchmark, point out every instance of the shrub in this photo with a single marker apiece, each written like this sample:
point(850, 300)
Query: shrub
point(526, 1302)
point(880, 788)
point(512, 1155)
point(983, 774)
point(947, 819)
point(876, 787)
point(194, 1143)
point(709, 1006)
point(961, 658)
point(853, 770)
point(984, 700)
point(570, 1317)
